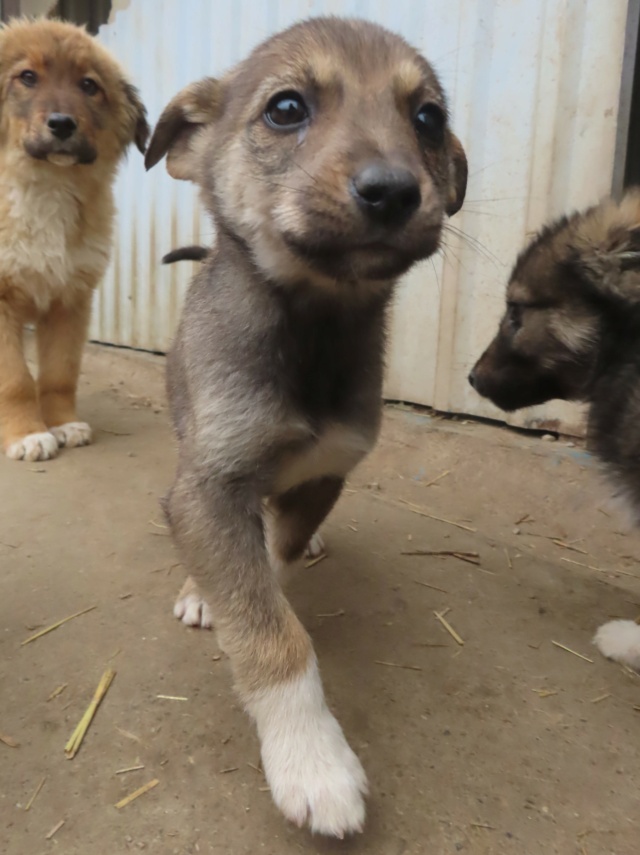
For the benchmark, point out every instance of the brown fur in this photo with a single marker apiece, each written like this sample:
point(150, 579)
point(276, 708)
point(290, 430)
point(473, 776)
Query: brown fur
point(56, 210)
point(275, 376)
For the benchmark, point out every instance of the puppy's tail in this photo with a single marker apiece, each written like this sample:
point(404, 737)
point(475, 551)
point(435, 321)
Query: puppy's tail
point(186, 253)
point(620, 640)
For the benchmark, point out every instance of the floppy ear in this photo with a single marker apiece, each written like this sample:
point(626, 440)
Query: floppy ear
point(612, 268)
point(139, 127)
point(458, 172)
point(179, 125)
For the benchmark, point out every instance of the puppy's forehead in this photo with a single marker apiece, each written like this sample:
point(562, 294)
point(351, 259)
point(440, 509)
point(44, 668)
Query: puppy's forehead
point(332, 52)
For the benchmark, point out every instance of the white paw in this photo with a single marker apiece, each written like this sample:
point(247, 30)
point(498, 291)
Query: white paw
point(192, 610)
point(314, 776)
point(315, 547)
point(33, 446)
point(620, 640)
point(72, 434)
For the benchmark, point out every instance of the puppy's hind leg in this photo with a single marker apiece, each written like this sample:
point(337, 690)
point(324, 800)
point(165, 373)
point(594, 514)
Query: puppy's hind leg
point(313, 774)
point(293, 519)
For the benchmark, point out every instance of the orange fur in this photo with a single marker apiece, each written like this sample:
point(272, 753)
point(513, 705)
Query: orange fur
point(56, 209)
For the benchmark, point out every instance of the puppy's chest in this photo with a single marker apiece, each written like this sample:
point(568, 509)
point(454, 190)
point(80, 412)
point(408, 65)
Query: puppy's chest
point(46, 241)
point(333, 368)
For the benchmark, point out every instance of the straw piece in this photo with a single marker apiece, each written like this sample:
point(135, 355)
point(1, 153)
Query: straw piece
point(56, 625)
point(171, 698)
point(438, 478)
point(569, 650)
point(75, 740)
point(601, 698)
point(339, 613)
point(470, 557)
point(37, 790)
point(55, 829)
point(416, 509)
point(136, 794)
point(396, 665)
point(433, 587)
point(315, 561)
point(230, 769)
point(57, 692)
point(445, 623)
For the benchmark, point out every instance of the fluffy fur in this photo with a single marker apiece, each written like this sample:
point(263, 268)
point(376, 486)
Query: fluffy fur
point(67, 116)
point(327, 176)
point(571, 330)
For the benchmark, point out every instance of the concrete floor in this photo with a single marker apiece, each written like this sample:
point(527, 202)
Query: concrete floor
point(507, 744)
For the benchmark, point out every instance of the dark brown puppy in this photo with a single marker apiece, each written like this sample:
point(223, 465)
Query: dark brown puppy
point(328, 165)
point(572, 330)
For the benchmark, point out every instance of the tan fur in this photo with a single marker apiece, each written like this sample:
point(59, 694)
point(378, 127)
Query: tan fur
point(56, 209)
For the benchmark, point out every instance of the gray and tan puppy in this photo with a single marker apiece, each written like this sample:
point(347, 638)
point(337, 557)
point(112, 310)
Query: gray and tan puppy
point(571, 330)
point(327, 163)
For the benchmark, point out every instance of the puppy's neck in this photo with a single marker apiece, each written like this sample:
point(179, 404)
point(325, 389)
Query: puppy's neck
point(20, 173)
point(295, 282)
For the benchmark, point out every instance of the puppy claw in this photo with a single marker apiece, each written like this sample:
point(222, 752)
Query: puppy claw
point(33, 446)
point(620, 640)
point(315, 547)
point(72, 434)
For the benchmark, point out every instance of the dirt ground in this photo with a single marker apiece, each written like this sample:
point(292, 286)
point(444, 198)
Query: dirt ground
point(508, 744)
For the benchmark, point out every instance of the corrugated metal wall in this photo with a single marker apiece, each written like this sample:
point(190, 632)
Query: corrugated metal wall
point(534, 90)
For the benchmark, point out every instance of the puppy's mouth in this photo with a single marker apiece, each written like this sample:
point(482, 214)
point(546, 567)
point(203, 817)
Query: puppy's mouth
point(516, 393)
point(376, 259)
point(61, 153)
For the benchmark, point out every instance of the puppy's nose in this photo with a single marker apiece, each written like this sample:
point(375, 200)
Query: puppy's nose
point(472, 378)
point(386, 194)
point(61, 125)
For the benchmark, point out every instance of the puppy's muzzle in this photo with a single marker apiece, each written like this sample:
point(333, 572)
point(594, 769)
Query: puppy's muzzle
point(386, 195)
point(61, 125)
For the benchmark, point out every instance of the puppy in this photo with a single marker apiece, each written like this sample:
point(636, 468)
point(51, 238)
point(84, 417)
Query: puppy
point(68, 115)
point(571, 330)
point(327, 163)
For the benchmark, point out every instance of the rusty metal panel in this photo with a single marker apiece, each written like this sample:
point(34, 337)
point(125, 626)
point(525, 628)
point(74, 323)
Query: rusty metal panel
point(534, 91)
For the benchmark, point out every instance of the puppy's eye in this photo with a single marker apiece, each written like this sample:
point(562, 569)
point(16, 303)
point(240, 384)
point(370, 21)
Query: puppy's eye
point(286, 110)
point(29, 78)
point(430, 121)
point(89, 86)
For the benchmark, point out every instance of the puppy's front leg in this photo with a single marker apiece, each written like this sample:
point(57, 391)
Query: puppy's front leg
point(313, 774)
point(24, 434)
point(62, 334)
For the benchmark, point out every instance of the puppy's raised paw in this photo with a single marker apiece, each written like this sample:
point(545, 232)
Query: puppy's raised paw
point(190, 607)
point(620, 640)
point(314, 776)
point(33, 446)
point(72, 434)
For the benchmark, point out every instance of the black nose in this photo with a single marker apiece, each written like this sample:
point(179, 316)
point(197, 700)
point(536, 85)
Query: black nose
point(472, 378)
point(386, 194)
point(61, 126)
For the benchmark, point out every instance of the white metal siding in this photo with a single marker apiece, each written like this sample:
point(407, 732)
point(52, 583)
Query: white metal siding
point(534, 91)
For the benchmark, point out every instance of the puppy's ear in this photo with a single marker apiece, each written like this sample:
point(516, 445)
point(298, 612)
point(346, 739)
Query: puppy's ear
point(458, 172)
point(179, 125)
point(139, 129)
point(612, 268)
